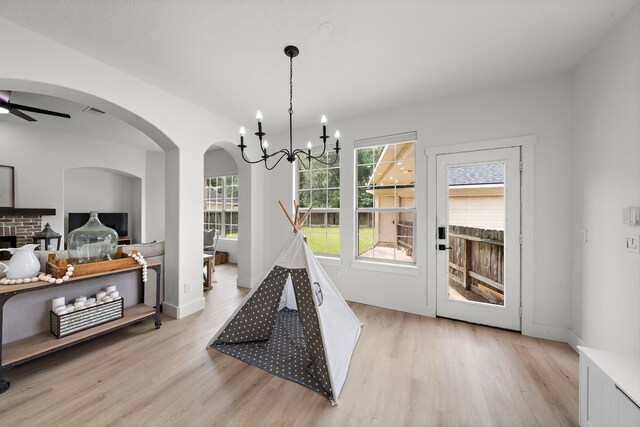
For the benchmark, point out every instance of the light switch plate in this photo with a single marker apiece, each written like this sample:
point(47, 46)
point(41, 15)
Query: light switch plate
point(583, 234)
point(632, 243)
point(631, 216)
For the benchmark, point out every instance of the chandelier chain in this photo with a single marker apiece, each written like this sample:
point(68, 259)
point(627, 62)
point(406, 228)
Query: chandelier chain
point(291, 85)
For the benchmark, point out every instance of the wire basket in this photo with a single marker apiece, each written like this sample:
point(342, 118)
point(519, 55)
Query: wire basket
point(67, 324)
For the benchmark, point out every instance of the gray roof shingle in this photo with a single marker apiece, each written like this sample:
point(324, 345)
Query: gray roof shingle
point(492, 173)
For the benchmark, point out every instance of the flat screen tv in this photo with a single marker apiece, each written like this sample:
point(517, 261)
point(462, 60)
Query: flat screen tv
point(119, 221)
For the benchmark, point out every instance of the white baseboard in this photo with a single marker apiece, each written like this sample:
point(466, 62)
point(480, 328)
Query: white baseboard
point(241, 283)
point(170, 310)
point(548, 332)
point(185, 310)
point(536, 330)
point(386, 302)
point(574, 340)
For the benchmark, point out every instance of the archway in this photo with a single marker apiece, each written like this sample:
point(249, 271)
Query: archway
point(42, 157)
point(183, 135)
point(222, 158)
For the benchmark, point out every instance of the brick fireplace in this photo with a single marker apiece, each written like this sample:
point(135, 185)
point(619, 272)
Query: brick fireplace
point(21, 223)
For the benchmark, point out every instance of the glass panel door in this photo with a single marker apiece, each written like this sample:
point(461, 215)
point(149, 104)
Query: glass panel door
point(479, 237)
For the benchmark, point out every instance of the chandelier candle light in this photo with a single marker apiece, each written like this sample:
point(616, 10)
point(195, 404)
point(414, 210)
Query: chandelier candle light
point(290, 154)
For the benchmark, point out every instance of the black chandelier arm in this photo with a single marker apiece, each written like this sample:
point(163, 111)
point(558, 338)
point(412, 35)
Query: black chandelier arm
point(326, 163)
point(316, 158)
point(283, 151)
point(249, 161)
point(284, 154)
point(324, 148)
point(301, 155)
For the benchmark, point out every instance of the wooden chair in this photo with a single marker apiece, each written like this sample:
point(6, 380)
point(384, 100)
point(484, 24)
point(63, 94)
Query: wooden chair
point(211, 241)
point(210, 246)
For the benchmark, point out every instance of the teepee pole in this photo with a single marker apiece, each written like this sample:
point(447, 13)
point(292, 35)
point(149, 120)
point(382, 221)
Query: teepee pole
point(286, 212)
point(304, 218)
point(297, 218)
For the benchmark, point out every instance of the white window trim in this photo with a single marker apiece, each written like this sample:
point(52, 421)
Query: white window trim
point(395, 267)
point(378, 264)
point(397, 138)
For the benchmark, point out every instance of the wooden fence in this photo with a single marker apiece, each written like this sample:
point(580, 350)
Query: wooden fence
point(476, 261)
point(404, 232)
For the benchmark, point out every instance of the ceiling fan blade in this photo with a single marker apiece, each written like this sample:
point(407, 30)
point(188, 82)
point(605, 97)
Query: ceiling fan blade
point(22, 115)
point(38, 110)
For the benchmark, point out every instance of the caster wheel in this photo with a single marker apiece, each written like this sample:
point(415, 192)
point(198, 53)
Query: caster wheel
point(4, 386)
point(158, 324)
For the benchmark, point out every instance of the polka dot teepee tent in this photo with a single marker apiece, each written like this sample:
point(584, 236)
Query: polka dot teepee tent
point(294, 324)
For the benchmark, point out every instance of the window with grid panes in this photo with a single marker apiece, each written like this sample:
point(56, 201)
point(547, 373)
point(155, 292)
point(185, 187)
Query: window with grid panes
point(385, 198)
point(221, 205)
point(320, 185)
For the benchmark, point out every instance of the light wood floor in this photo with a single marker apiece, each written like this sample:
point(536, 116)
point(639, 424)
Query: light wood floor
point(406, 370)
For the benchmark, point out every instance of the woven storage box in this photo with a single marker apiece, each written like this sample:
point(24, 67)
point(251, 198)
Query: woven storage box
point(222, 258)
point(70, 323)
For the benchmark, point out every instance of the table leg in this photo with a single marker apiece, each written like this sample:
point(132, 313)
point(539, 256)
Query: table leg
point(158, 322)
point(4, 383)
point(207, 276)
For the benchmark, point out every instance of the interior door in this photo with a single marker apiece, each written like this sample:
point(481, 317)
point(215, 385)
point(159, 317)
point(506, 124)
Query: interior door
point(478, 237)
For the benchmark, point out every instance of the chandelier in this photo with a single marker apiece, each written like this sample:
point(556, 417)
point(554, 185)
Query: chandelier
point(290, 154)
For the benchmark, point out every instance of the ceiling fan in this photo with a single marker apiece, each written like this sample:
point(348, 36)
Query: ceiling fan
point(7, 107)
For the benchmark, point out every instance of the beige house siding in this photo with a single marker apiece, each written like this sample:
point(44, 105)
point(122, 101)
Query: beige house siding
point(385, 222)
point(477, 206)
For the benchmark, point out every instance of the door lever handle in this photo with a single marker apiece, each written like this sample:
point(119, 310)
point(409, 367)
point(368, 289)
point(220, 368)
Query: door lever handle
point(444, 247)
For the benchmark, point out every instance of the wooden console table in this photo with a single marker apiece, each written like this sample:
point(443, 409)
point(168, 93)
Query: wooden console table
point(208, 261)
point(24, 350)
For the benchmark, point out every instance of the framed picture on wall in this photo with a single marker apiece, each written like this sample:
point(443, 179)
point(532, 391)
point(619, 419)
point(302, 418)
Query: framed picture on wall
point(7, 187)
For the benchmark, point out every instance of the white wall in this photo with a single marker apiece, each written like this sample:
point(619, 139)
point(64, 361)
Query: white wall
point(99, 190)
point(541, 108)
point(605, 303)
point(218, 162)
point(153, 208)
point(41, 157)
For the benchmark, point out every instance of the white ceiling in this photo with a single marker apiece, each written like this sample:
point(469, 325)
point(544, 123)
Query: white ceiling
point(227, 55)
point(102, 127)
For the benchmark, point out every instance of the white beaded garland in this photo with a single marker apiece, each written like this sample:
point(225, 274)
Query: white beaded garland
point(139, 258)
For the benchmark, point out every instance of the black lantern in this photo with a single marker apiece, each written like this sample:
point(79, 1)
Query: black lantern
point(47, 234)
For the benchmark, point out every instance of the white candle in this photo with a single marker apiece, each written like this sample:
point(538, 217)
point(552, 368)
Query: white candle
point(110, 289)
point(100, 295)
point(56, 302)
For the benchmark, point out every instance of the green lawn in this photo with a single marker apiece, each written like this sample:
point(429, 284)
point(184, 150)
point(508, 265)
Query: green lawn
point(329, 243)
